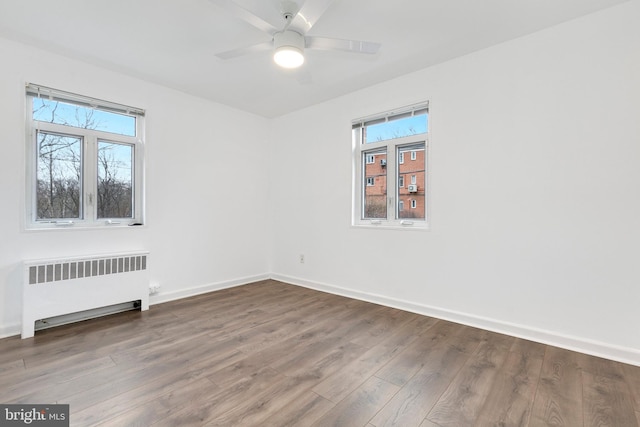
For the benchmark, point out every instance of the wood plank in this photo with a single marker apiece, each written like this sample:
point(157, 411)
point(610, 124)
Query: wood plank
point(12, 366)
point(146, 405)
point(212, 407)
point(511, 398)
point(461, 403)
point(361, 405)
point(347, 379)
point(303, 411)
point(401, 368)
point(608, 400)
point(24, 385)
point(265, 402)
point(427, 423)
point(417, 397)
point(632, 378)
point(558, 400)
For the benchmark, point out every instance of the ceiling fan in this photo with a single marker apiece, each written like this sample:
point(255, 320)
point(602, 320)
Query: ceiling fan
point(289, 43)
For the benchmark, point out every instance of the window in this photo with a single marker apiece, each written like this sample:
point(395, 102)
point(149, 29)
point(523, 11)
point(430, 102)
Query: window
point(379, 192)
point(370, 159)
point(85, 164)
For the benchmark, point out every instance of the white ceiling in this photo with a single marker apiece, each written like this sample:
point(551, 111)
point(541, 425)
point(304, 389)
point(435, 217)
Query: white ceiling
point(173, 42)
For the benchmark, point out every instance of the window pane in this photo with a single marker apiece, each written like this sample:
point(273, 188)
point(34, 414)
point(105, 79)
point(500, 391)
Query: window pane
point(375, 186)
point(413, 194)
point(398, 128)
point(115, 180)
point(45, 110)
point(59, 176)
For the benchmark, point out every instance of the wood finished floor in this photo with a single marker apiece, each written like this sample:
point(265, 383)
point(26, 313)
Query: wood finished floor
point(271, 354)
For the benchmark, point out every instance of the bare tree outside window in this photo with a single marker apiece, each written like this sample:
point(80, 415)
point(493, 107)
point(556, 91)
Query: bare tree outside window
point(60, 166)
point(115, 169)
point(59, 176)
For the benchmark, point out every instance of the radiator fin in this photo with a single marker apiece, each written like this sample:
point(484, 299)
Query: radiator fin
point(56, 272)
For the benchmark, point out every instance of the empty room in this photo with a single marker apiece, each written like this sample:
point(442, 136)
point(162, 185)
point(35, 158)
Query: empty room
point(320, 213)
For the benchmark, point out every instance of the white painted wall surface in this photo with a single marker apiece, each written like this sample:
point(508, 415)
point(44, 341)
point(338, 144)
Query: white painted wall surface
point(206, 223)
point(535, 190)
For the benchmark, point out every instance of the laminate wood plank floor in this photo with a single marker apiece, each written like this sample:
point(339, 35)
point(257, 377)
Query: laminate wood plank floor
point(273, 354)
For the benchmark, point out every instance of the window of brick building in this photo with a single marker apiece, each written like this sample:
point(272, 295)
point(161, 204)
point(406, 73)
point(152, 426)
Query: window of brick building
point(379, 190)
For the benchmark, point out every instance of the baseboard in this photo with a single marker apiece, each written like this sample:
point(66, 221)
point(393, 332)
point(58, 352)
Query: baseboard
point(582, 345)
point(210, 287)
point(10, 330)
point(15, 329)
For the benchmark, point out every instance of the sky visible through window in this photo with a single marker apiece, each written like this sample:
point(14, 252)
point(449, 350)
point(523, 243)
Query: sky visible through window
point(120, 155)
point(61, 113)
point(396, 128)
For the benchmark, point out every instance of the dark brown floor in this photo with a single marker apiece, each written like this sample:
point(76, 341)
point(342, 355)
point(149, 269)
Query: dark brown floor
point(271, 354)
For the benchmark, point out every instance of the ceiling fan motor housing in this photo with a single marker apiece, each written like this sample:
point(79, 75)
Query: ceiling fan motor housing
point(288, 38)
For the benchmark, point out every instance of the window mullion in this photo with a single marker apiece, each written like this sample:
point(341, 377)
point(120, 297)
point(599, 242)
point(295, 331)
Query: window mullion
point(90, 172)
point(391, 182)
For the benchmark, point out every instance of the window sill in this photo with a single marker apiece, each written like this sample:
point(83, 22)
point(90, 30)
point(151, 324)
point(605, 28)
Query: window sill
point(103, 225)
point(393, 226)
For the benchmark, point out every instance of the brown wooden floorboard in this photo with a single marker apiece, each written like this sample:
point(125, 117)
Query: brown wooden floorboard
point(273, 354)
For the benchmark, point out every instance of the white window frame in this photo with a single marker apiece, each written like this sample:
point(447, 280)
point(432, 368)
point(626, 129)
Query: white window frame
point(413, 154)
point(400, 205)
point(359, 152)
point(414, 204)
point(90, 138)
point(371, 181)
point(401, 158)
point(414, 180)
point(370, 159)
point(401, 181)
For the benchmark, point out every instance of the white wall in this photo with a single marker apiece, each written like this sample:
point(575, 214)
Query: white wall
point(535, 199)
point(202, 232)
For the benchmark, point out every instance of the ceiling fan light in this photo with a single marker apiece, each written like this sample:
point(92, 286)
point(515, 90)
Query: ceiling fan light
point(288, 57)
point(289, 48)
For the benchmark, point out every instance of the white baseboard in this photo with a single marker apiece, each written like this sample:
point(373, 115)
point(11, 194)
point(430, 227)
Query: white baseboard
point(14, 329)
point(582, 345)
point(210, 287)
point(10, 330)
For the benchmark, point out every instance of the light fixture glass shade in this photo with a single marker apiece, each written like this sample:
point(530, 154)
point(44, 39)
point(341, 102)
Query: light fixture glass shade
point(288, 57)
point(288, 49)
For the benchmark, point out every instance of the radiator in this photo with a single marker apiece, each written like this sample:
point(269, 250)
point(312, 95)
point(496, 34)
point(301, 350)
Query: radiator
point(57, 287)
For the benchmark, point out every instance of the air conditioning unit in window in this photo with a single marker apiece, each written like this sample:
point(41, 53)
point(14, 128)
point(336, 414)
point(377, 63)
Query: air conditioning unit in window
point(413, 188)
point(383, 162)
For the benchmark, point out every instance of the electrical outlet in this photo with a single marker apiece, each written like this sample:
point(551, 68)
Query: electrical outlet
point(301, 258)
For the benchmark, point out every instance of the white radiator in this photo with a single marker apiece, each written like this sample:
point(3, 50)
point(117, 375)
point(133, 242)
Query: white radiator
point(57, 287)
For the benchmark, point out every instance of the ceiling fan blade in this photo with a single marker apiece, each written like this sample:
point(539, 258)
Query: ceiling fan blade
point(308, 15)
point(356, 46)
point(245, 15)
point(234, 53)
